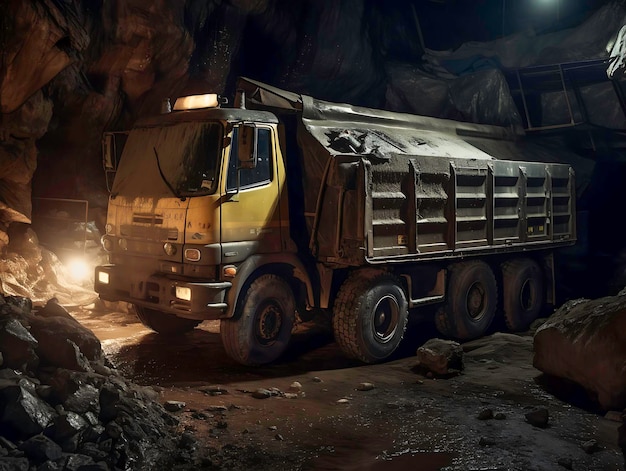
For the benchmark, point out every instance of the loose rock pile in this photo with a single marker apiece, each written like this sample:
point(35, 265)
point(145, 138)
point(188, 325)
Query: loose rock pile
point(63, 407)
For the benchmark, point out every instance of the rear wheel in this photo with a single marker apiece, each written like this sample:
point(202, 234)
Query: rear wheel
point(370, 316)
point(522, 293)
point(472, 298)
point(260, 331)
point(164, 323)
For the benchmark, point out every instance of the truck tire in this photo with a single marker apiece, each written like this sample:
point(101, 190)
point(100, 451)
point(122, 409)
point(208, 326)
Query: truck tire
point(472, 298)
point(164, 323)
point(522, 293)
point(261, 329)
point(370, 316)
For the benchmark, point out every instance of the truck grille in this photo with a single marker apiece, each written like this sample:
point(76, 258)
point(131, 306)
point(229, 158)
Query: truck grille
point(149, 232)
point(154, 219)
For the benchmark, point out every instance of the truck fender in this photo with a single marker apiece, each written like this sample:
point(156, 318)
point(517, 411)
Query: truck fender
point(270, 263)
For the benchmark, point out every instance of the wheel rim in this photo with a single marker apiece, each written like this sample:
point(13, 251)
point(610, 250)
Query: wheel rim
point(269, 321)
point(476, 302)
point(527, 295)
point(386, 316)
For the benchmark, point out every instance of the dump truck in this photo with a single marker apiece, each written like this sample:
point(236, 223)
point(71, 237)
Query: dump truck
point(284, 207)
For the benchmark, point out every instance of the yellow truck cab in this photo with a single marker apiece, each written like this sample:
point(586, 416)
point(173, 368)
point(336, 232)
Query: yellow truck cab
point(287, 204)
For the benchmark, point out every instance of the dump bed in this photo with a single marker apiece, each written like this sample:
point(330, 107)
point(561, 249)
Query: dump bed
point(382, 187)
point(422, 205)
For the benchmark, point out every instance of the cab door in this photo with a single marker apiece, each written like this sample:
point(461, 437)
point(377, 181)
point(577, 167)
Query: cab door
point(250, 209)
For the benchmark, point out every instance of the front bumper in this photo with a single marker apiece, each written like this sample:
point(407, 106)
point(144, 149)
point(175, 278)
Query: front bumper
point(157, 291)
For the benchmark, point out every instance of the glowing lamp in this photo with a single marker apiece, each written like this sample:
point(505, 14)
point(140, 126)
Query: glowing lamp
point(196, 102)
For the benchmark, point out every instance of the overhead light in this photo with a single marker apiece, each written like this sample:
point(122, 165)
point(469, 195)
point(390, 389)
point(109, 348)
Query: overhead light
point(196, 102)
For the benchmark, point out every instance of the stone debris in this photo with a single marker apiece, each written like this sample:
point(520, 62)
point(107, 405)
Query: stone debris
point(217, 408)
point(62, 406)
point(590, 446)
point(484, 441)
point(343, 401)
point(317, 379)
point(566, 463)
point(262, 393)
point(214, 390)
point(614, 416)
point(486, 414)
point(365, 387)
point(174, 406)
point(538, 418)
point(440, 357)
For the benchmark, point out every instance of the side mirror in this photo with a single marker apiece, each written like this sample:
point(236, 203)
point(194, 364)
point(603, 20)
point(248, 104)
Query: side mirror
point(246, 146)
point(112, 145)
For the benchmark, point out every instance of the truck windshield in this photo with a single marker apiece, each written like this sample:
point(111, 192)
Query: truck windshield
point(187, 154)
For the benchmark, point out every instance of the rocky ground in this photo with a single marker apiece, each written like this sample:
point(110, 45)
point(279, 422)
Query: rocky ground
point(316, 410)
point(126, 398)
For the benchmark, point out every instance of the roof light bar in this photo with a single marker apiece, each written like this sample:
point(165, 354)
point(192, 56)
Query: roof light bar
point(196, 102)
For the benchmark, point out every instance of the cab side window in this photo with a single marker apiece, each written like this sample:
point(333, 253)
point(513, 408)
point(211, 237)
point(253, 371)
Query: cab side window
point(257, 176)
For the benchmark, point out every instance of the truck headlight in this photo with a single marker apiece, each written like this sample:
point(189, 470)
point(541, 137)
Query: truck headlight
point(107, 243)
point(170, 249)
point(103, 277)
point(183, 292)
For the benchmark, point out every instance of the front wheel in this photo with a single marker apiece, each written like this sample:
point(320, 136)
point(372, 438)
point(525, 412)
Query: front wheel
point(164, 323)
point(260, 331)
point(370, 316)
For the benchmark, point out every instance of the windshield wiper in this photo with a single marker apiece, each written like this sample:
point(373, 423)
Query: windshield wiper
point(169, 185)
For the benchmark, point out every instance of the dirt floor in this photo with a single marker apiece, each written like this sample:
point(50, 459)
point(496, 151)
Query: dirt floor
point(320, 416)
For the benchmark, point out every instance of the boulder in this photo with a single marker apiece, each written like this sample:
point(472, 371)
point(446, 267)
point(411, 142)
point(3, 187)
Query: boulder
point(63, 341)
point(17, 345)
point(441, 357)
point(585, 342)
point(22, 413)
point(40, 448)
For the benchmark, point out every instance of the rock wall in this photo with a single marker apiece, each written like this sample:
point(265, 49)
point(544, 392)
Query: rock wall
point(70, 70)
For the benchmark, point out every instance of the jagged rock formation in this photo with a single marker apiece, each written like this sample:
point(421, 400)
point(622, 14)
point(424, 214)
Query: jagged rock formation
point(61, 404)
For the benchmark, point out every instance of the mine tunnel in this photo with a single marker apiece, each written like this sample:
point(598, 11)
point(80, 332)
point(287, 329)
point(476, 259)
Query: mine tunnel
point(314, 235)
